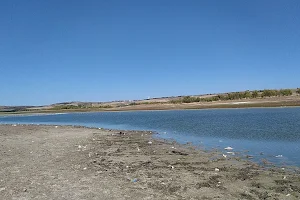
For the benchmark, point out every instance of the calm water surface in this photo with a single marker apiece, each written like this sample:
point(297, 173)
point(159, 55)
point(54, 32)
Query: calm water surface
point(272, 133)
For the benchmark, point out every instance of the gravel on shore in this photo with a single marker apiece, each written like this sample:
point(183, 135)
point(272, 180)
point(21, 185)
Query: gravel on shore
point(67, 162)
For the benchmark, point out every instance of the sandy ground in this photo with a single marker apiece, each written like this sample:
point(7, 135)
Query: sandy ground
point(48, 162)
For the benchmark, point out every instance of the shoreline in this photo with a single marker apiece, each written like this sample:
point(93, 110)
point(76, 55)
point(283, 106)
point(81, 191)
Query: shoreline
point(241, 154)
point(47, 112)
point(114, 164)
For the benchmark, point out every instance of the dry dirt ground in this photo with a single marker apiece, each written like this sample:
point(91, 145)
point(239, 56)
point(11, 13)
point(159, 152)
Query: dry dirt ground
point(64, 162)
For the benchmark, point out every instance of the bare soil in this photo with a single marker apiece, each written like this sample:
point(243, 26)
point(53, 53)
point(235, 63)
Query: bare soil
point(64, 162)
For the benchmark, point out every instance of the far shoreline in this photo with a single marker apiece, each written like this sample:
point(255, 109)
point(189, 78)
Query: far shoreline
point(132, 109)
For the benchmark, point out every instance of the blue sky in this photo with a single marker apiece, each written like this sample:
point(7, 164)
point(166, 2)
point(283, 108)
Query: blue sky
point(56, 51)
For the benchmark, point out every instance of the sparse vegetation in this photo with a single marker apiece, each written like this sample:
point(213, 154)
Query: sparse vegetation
point(286, 92)
point(105, 106)
point(270, 93)
point(282, 92)
point(157, 102)
point(80, 106)
point(66, 107)
point(236, 96)
point(175, 101)
point(255, 94)
point(189, 99)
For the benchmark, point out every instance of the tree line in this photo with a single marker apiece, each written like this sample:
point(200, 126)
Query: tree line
point(80, 106)
point(237, 95)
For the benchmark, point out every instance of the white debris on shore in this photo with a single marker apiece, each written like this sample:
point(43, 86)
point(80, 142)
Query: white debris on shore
point(228, 148)
point(230, 152)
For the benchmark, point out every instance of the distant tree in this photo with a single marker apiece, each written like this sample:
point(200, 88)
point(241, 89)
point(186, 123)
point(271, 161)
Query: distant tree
point(222, 97)
point(255, 94)
point(247, 95)
point(215, 98)
point(270, 93)
point(285, 92)
point(208, 99)
point(235, 95)
point(187, 99)
point(298, 90)
point(176, 101)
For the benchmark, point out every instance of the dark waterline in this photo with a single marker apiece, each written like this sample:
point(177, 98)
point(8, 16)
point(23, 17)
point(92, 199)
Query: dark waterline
point(272, 133)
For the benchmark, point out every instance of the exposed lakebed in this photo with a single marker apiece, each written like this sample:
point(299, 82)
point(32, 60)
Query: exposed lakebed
point(261, 133)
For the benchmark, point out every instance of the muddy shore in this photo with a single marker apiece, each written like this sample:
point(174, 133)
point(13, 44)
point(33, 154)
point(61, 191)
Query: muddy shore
point(65, 162)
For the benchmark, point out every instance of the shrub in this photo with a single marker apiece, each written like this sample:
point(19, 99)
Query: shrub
point(189, 99)
point(234, 95)
point(105, 106)
point(247, 95)
point(63, 107)
point(255, 94)
point(175, 101)
point(223, 97)
point(286, 92)
point(270, 93)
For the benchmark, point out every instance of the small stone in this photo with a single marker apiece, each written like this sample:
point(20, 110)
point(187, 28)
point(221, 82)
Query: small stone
point(134, 180)
point(217, 170)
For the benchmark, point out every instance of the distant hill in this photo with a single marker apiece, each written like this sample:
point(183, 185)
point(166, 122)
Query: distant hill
point(267, 97)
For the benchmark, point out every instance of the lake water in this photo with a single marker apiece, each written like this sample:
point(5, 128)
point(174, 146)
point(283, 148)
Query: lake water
point(272, 133)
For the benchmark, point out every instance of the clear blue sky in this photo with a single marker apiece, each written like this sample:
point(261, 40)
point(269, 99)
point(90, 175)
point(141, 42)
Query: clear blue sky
point(55, 51)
